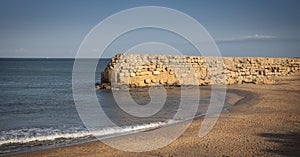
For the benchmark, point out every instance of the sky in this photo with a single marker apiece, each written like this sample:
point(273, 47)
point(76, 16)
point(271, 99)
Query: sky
point(56, 28)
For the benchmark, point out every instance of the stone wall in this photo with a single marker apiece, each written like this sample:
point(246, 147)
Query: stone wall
point(139, 70)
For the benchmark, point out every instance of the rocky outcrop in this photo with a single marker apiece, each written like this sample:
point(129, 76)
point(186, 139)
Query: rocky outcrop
point(140, 70)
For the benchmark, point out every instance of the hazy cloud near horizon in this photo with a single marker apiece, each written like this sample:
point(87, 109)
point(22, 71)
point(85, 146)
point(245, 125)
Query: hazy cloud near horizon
point(20, 50)
point(247, 38)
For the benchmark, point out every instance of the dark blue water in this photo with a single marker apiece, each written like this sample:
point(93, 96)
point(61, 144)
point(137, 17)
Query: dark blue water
point(36, 98)
point(37, 108)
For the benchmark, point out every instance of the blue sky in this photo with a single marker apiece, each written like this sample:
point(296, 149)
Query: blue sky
point(40, 28)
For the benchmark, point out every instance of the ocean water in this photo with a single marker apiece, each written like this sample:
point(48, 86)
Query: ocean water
point(37, 108)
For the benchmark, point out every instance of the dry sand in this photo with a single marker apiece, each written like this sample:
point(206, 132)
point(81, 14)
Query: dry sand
point(265, 123)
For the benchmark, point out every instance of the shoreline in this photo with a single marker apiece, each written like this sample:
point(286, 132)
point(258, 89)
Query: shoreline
point(232, 97)
point(250, 127)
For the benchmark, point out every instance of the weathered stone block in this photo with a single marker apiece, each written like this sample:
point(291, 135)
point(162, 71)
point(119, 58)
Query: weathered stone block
point(132, 74)
point(156, 73)
point(147, 81)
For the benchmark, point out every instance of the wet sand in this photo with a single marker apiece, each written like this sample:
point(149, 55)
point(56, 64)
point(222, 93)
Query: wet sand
point(266, 122)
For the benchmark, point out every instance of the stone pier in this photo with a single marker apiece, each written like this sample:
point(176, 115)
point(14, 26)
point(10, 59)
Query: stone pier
point(141, 70)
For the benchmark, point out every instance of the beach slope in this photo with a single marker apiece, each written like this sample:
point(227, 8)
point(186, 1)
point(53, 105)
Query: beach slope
point(265, 123)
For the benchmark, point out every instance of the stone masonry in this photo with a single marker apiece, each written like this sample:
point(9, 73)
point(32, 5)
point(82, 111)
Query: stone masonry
point(140, 70)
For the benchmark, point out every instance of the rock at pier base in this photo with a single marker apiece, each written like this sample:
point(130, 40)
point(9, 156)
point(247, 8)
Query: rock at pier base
point(103, 86)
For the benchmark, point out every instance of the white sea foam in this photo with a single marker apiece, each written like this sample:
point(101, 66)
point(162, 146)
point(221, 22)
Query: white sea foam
point(22, 136)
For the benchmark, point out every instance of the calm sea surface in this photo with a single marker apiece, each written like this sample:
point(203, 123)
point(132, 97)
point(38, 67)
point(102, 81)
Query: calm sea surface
point(37, 109)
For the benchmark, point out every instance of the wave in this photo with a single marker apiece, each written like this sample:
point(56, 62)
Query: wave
point(22, 136)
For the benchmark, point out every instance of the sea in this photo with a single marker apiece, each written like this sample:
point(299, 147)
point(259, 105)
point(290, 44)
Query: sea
point(37, 109)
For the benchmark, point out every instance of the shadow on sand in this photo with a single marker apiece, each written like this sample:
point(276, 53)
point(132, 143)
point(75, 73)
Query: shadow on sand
point(289, 143)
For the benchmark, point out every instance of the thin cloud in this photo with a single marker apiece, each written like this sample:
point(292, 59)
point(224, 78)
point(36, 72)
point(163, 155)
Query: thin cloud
point(21, 50)
point(248, 38)
point(95, 50)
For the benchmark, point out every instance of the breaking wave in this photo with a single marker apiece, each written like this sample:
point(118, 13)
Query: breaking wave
point(22, 136)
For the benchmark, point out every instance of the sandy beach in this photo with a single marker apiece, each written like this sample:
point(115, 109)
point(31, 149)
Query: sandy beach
point(266, 122)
